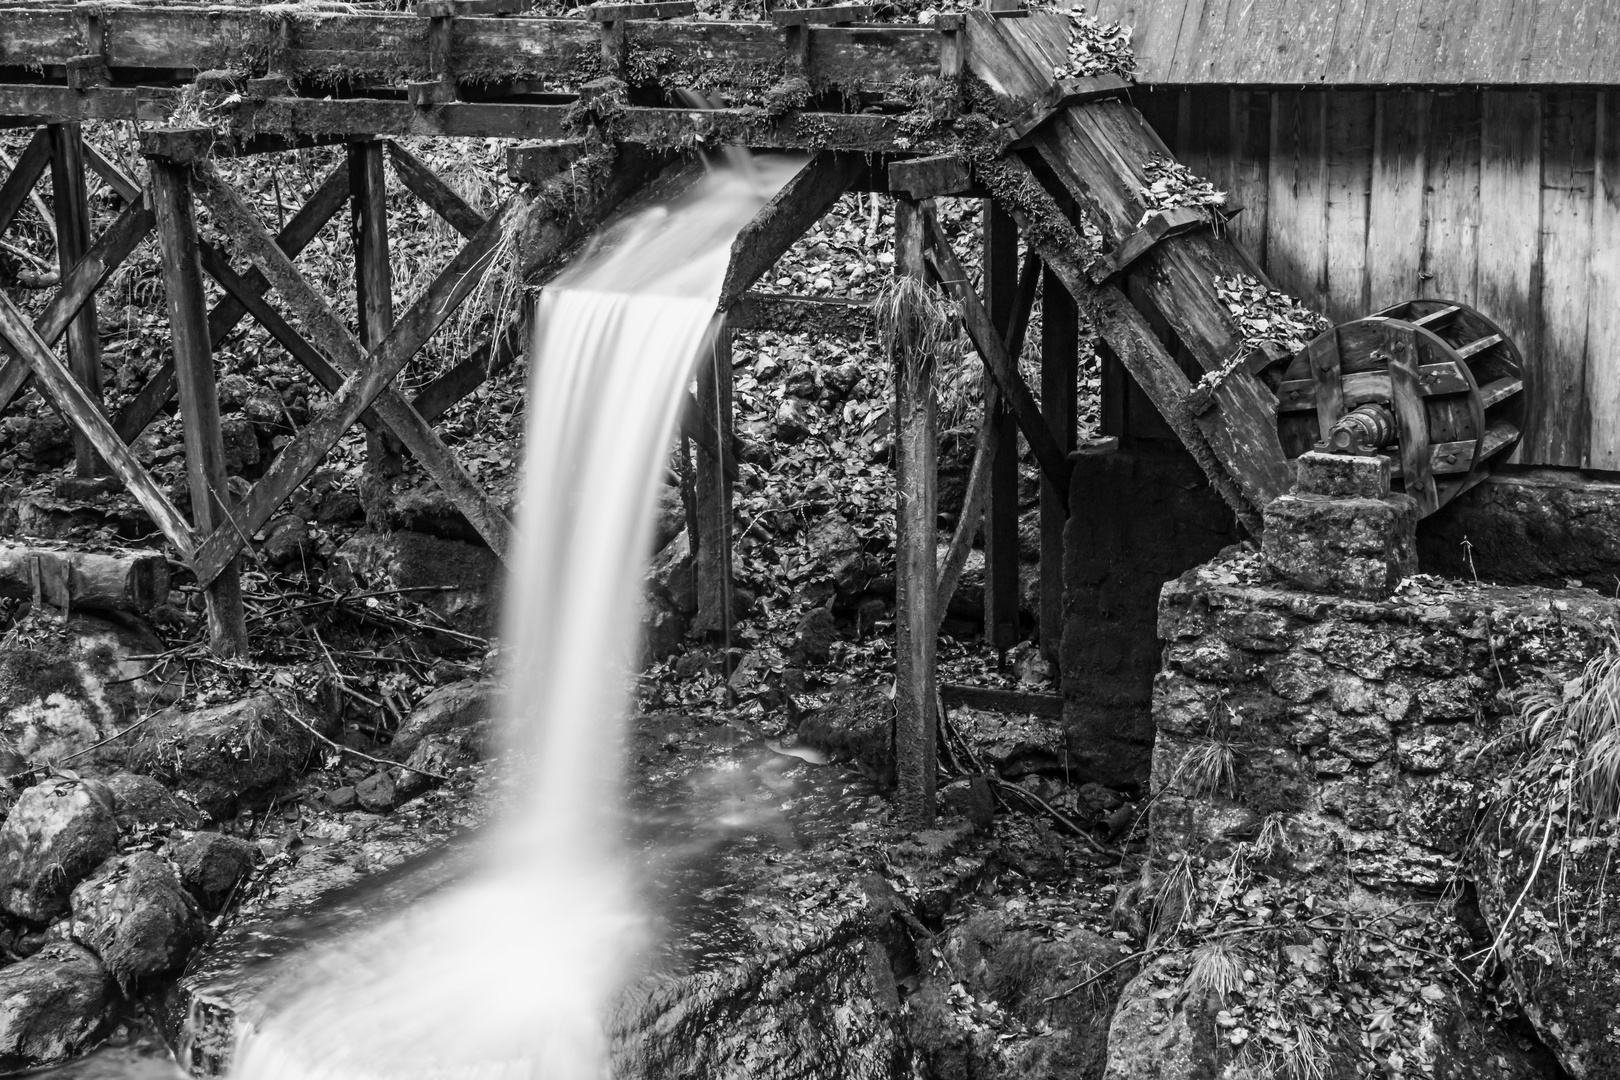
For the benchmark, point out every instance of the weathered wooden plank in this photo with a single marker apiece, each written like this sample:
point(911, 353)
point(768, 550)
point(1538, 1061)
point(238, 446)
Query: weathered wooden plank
point(488, 360)
point(1411, 422)
point(71, 210)
point(1509, 263)
point(37, 36)
point(1395, 213)
point(926, 177)
point(715, 420)
point(1602, 450)
point(426, 185)
point(992, 699)
point(821, 16)
point(1451, 222)
point(1296, 242)
point(800, 204)
point(64, 391)
point(120, 581)
point(1348, 153)
point(31, 164)
point(373, 276)
point(199, 397)
point(1248, 176)
point(1556, 378)
point(1299, 395)
point(1001, 555)
point(1060, 343)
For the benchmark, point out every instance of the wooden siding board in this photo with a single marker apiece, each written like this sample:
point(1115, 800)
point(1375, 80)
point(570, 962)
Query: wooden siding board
point(1250, 170)
point(1395, 211)
point(1296, 246)
point(1348, 153)
point(1372, 42)
point(1509, 248)
point(1451, 198)
point(1558, 427)
point(1603, 295)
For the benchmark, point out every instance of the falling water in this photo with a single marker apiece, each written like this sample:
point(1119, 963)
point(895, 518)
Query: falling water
point(509, 975)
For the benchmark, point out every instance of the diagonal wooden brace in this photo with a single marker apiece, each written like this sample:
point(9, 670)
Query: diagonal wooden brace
point(368, 381)
point(800, 204)
point(82, 411)
point(31, 165)
point(426, 185)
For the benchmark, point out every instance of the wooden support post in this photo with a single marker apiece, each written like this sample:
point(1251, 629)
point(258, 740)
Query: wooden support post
point(916, 571)
point(199, 399)
point(713, 539)
point(72, 214)
point(373, 280)
point(1060, 326)
point(1001, 627)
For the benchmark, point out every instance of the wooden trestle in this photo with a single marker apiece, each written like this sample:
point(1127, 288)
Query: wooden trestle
point(866, 102)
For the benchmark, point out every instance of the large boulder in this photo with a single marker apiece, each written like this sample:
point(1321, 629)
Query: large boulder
point(211, 864)
point(462, 709)
point(53, 1006)
point(218, 756)
point(134, 912)
point(67, 687)
point(857, 725)
point(408, 560)
point(143, 803)
point(57, 833)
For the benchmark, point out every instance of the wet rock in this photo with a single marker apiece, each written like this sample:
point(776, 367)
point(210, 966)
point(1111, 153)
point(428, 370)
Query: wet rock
point(376, 792)
point(65, 688)
point(134, 912)
point(411, 560)
point(793, 421)
point(1158, 1036)
point(832, 540)
point(53, 1006)
point(58, 832)
point(856, 724)
point(241, 445)
point(342, 798)
point(141, 802)
point(437, 754)
point(219, 756)
point(814, 637)
point(971, 798)
point(211, 864)
point(287, 542)
point(458, 708)
point(674, 575)
point(670, 518)
point(663, 629)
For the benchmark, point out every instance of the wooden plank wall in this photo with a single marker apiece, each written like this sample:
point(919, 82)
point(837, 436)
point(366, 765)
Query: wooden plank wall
point(1505, 199)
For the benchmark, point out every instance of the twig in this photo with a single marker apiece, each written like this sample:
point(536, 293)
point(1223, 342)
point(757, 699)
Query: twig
point(1057, 815)
point(340, 748)
point(1083, 983)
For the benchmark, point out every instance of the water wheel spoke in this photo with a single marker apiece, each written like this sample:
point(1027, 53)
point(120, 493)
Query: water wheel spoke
point(1474, 348)
point(1498, 391)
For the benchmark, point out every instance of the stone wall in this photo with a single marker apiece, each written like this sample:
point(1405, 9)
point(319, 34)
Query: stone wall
point(1361, 721)
point(1140, 518)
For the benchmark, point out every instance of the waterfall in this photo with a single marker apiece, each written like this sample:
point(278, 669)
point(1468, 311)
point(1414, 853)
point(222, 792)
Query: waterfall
point(510, 974)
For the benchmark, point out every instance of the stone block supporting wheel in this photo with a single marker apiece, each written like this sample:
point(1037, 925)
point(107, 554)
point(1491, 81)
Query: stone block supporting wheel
point(1432, 385)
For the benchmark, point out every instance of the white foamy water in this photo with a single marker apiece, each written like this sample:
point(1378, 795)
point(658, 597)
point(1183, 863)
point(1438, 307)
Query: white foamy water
point(510, 975)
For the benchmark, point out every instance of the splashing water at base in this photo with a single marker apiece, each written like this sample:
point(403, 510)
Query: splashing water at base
point(510, 975)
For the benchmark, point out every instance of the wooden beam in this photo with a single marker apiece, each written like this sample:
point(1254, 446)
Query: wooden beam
point(1053, 463)
point(113, 247)
point(70, 206)
point(228, 313)
point(1001, 554)
point(31, 164)
point(63, 390)
point(665, 9)
point(199, 397)
point(1060, 359)
point(714, 422)
point(822, 16)
point(369, 376)
point(426, 185)
point(488, 360)
point(373, 278)
point(991, 699)
point(927, 177)
point(916, 573)
point(800, 204)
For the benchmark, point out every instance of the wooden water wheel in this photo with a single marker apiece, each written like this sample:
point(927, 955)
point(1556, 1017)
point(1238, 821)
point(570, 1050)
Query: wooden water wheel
point(1432, 385)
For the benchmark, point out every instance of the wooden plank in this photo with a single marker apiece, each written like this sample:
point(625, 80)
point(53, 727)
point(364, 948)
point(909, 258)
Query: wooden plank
point(1509, 263)
point(800, 204)
point(666, 9)
point(1327, 383)
point(1001, 555)
point(227, 314)
point(1411, 421)
point(822, 16)
point(458, 9)
point(426, 185)
point(81, 283)
point(1299, 395)
point(1001, 367)
point(65, 392)
point(488, 360)
point(1159, 225)
point(993, 699)
point(31, 164)
point(1296, 243)
point(1060, 95)
point(1348, 153)
point(715, 420)
point(1395, 213)
point(1602, 449)
point(927, 177)
point(1060, 349)
point(1451, 220)
point(1556, 378)
point(1474, 348)
point(373, 277)
point(916, 573)
point(71, 210)
point(1249, 173)
point(199, 397)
